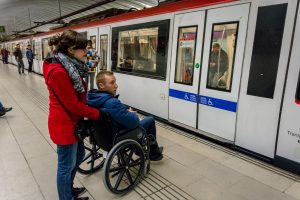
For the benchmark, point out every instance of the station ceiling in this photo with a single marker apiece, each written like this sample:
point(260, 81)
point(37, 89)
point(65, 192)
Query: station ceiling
point(18, 15)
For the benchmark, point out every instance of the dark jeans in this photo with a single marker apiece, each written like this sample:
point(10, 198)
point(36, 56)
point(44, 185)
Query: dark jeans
point(148, 124)
point(4, 60)
point(30, 62)
point(69, 158)
point(20, 65)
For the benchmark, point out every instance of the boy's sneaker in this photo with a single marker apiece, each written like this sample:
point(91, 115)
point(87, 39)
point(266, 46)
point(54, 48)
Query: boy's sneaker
point(157, 155)
point(5, 110)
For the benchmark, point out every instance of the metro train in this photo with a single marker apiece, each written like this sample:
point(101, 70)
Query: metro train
point(226, 69)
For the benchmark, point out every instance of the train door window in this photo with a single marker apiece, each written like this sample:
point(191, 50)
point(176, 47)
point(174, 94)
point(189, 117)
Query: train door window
point(33, 46)
point(93, 39)
point(37, 50)
point(266, 50)
point(22, 48)
point(185, 55)
point(221, 58)
point(45, 48)
point(103, 51)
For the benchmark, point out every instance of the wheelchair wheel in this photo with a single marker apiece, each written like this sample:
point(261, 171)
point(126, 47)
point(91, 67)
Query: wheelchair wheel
point(124, 166)
point(93, 160)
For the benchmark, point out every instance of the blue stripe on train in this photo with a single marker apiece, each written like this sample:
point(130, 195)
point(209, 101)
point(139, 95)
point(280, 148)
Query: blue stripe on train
point(204, 100)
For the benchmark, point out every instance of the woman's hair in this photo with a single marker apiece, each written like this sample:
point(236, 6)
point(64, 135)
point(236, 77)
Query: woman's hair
point(67, 39)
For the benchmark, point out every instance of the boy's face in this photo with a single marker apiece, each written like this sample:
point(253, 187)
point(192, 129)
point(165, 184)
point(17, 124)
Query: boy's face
point(109, 84)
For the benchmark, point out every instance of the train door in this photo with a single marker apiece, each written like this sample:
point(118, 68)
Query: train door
point(221, 70)
point(288, 146)
point(36, 64)
point(186, 56)
point(266, 59)
point(92, 34)
point(104, 33)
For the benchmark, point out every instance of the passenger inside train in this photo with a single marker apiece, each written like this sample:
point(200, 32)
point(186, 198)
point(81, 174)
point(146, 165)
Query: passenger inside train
point(218, 65)
point(105, 97)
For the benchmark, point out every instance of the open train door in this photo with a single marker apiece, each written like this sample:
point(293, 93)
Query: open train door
point(185, 70)
point(223, 54)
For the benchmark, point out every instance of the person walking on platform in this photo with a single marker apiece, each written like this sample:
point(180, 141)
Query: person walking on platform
point(19, 58)
point(4, 53)
point(63, 75)
point(30, 57)
point(4, 110)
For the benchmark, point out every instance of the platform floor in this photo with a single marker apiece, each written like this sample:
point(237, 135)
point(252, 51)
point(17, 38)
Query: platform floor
point(192, 168)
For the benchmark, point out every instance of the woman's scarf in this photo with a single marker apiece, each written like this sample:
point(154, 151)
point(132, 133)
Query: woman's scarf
point(75, 69)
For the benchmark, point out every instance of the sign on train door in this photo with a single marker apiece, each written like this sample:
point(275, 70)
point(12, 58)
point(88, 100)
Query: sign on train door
point(185, 67)
point(223, 51)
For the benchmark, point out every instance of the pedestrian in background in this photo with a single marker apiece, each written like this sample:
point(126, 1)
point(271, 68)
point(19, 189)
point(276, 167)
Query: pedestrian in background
point(30, 57)
point(19, 58)
point(4, 53)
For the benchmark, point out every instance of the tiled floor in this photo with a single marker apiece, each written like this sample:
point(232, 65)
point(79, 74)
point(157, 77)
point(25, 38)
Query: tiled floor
point(192, 168)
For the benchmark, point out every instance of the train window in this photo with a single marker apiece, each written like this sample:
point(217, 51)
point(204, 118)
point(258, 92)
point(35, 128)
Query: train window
point(37, 51)
point(186, 44)
point(266, 50)
point(141, 49)
point(221, 58)
point(103, 51)
point(93, 39)
point(33, 46)
point(23, 48)
point(45, 48)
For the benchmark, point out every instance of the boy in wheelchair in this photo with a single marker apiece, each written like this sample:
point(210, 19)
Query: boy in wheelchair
point(123, 118)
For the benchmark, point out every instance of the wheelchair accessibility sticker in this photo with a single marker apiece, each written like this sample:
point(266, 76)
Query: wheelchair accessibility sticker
point(218, 103)
point(183, 95)
point(204, 100)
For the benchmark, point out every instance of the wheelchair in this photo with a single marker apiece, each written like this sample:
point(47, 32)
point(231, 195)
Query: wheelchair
point(124, 154)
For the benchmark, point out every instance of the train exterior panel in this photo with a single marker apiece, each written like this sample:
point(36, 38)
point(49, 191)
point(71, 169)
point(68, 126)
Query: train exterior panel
point(226, 69)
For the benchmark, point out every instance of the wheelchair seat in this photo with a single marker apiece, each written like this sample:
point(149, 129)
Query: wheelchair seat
point(127, 160)
point(106, 135)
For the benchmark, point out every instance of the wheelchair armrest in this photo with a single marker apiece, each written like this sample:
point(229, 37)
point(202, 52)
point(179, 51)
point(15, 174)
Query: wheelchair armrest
point(124, 131)
point(129, 134)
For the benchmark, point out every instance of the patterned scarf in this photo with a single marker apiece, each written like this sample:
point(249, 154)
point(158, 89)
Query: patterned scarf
point(75, 69)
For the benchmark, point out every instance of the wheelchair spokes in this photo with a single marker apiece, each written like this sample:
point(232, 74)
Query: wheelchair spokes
point(93, 160)
point(125, 166)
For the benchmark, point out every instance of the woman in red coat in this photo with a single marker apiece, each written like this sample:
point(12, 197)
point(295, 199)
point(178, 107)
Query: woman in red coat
point(63, 75)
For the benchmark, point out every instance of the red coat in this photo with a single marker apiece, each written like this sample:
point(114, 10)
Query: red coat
point(61, 125)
